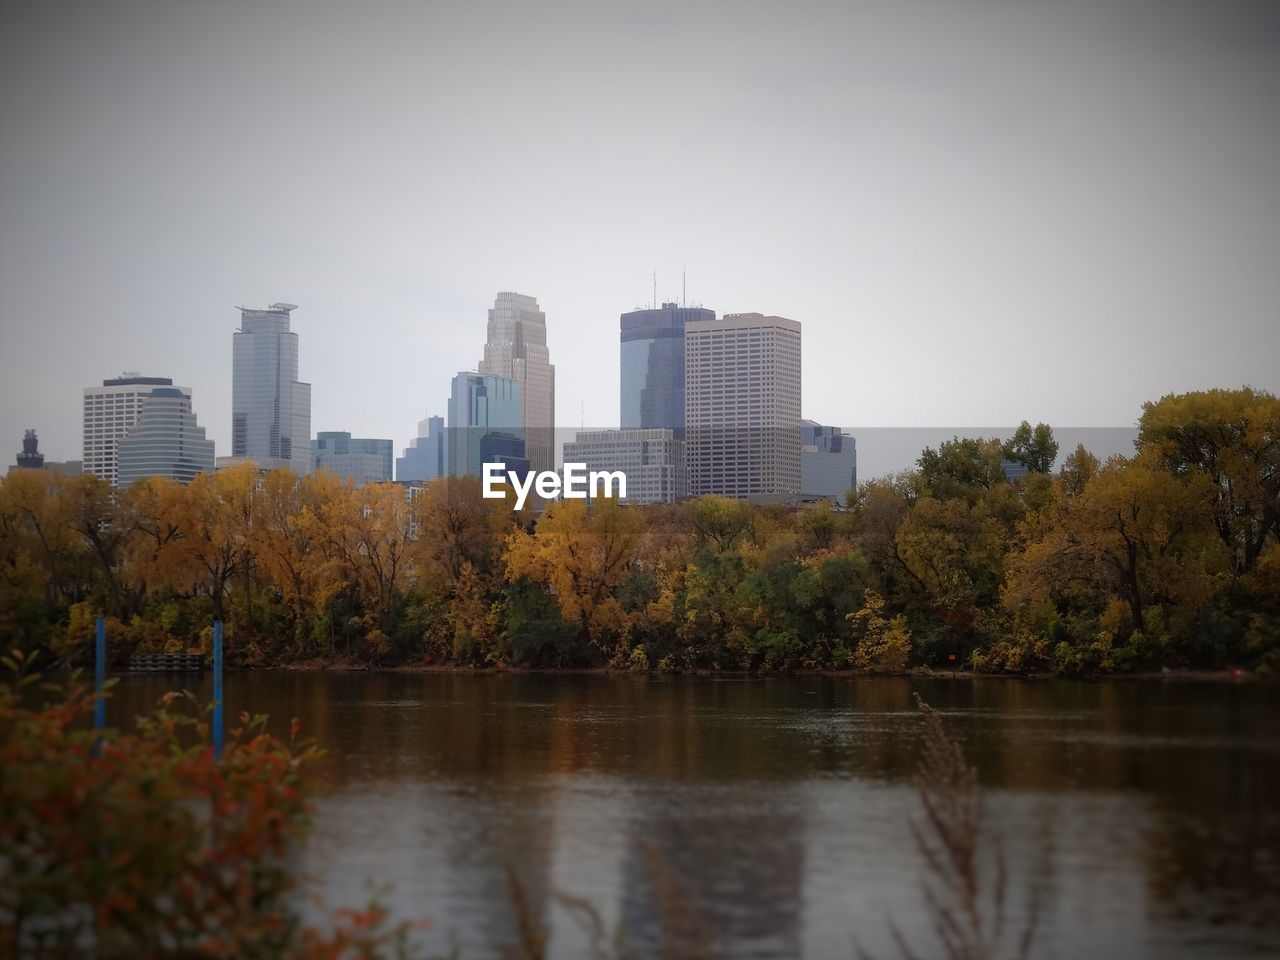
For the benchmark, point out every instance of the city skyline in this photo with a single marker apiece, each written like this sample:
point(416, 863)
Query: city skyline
point(956, 199)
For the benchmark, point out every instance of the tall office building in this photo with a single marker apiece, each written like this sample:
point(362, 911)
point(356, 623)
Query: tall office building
point(165, 442)
point(109, 411)
point(828, 461)
point(424, 458)
point(359, 459)
point(653, 461)
point(270, 408)
point(516, 348)
point(486, 425)
point(653, 366)
point(742, 406)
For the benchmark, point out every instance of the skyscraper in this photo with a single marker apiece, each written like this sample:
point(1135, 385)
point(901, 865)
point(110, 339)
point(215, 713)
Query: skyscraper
point(166, 441)
point(359, 459)
point(109, 411)
point(828, 461)
point(270, 408)
point(485, 425)
point(653, 366)
point(424, 458)
point(742, 406)
point(516, 348)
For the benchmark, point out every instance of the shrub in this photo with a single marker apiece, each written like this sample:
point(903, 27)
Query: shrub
point(144, 844)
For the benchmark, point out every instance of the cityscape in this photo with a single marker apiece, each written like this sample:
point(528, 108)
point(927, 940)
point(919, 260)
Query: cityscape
point(681, 480)
point(710, 406)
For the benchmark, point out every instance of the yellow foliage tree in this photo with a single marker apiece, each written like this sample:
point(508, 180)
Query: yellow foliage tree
point(582, 553)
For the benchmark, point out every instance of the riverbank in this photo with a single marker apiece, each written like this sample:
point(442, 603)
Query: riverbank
point(1231, 675)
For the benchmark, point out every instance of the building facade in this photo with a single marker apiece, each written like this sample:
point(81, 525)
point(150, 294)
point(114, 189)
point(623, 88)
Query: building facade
point(516, 349)
point(165, 442)
point(742, 406)
point(652, 460)
point(486, 425)
point(270, 407)
point(652, 366)
point(424, 459)
point(828, 461)
point(109, 411)
point(359, 459)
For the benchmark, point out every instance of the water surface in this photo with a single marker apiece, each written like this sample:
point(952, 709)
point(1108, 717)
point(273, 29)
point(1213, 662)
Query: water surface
point(775, 813)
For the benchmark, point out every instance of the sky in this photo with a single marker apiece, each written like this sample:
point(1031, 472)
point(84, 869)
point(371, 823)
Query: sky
point(981, 211)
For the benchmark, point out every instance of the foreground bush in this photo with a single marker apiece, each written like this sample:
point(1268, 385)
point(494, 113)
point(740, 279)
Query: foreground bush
point(144, 845)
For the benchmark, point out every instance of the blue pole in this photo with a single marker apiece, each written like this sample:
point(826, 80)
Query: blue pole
point(217, 688)
point(100, 677)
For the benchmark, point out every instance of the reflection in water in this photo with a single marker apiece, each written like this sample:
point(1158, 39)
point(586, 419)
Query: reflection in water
point(779, 807)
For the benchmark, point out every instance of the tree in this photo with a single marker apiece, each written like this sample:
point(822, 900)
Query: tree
point(1035, 449)
point(291, 546)
point(216, 517)
point(582, 554)
point(884, 645)
point(368, 529)
point(458, 528)
point(1078, 469)
point(962, 467)
point(1135, 533)
point(1232, 437)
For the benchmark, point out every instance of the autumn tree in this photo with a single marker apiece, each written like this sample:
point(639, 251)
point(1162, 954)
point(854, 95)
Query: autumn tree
point(216, 516)
point(1135, 533)
point(582, 551)
point(1231, 437)
point(883, 644)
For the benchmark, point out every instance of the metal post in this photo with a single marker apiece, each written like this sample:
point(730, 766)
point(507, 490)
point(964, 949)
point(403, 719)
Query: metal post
point(100, 677)
point(217, 689)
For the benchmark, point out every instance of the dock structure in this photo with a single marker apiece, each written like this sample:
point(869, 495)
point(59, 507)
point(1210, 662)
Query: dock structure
point(166, 663)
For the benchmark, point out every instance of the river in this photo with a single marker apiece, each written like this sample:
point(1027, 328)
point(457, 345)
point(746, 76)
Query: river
point(774, 814)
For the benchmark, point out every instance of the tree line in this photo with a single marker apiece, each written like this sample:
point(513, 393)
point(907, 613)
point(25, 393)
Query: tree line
point(1169, 557)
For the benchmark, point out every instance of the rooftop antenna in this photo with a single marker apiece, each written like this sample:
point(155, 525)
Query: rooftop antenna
point(655, 290)
point(684, 286)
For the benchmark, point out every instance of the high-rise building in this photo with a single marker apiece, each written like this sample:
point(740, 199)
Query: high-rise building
point(486, 425)
point(30, 458)
point(652, 460)
point(742, 406)
point(424, 459)
point(165, 441)
point(270, 408)
point(359, 459)
point(653, 366)
point(109, 411)
point(828, 461)
point(516, 348)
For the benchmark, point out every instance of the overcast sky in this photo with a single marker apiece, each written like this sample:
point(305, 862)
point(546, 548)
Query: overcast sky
point(980, 211)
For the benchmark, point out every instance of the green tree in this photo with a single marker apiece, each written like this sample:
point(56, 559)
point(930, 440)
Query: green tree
point(1036, 449)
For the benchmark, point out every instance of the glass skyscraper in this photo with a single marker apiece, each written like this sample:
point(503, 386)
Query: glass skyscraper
point(424, 458)
point(165, 441)
point(486, 425)
point(828, 461)
point(653, 366)
point(270, 408)
point(359, 459)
